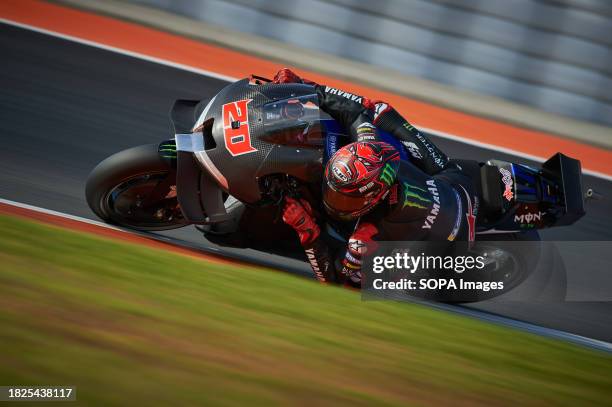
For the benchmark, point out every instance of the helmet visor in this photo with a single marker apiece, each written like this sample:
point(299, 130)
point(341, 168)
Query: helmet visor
point(344, 204)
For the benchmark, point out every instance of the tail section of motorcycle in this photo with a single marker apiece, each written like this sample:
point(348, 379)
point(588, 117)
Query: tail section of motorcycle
point(517, 197)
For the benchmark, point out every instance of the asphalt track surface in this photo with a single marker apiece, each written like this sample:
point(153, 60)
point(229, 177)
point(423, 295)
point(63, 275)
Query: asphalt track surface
point(64, 107)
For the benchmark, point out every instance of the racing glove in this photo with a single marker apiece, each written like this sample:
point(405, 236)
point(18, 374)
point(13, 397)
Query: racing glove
point(361, 242)
point(286, 75)
point(299, 215)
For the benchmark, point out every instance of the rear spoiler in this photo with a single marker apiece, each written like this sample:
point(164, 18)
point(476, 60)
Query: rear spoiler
point(567, 172)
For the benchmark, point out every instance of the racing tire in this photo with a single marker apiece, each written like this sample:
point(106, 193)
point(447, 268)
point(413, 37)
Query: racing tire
point(118, 184)
point(544, 277)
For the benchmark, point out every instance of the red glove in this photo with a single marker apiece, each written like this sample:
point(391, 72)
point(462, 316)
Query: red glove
point(298, 215)
point(286, 75)
point(360, 242)
point(362, 239)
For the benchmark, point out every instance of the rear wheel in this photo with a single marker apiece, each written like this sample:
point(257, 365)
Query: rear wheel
point(530, 271)
point(510, 264)
point(135, 188)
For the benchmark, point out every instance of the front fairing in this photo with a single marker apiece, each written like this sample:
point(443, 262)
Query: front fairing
point(252, 131)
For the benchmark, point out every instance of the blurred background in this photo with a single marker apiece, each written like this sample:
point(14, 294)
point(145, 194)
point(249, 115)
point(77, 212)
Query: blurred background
point(552, 55)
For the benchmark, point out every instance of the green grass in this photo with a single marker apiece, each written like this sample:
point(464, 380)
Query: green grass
point(126, 323)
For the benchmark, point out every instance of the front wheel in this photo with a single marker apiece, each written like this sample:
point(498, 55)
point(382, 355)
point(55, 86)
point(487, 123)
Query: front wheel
point(135, 188)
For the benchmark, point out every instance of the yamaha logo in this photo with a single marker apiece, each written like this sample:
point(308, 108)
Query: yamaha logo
point(414, 150)
point(379, 108)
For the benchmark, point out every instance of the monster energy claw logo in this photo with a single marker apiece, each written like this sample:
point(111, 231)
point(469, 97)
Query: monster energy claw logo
point(414, 197)
point(167, 150)
point(388, 174)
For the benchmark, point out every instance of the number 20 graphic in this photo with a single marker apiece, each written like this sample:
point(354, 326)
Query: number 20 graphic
point(236, 130)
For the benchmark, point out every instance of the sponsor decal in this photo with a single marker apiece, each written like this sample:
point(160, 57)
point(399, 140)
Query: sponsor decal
point(476, 205)
point(408, 126)
point(508, 183)
point(393, 195)
point(351, 270)
point(366, 187)
point(348, 265)
point(379, 108)
point(273, 116)
point(236, 132)
point(357, 246)
point(365, 131)
point(435, 209)
point(470, 216)
point(414, 197)
point(366, 137)
point(332, 144)
point(388, 174)
point(528, 219)
point(352, 259)
point(366, 128)
point(347, 95)
point(413, 149)
point(342, 171)
point(434, 153)
point(167, 150)
point(457, 225)
point(314, 264)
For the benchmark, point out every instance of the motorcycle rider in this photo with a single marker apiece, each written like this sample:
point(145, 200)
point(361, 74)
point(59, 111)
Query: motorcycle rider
point(428, 198)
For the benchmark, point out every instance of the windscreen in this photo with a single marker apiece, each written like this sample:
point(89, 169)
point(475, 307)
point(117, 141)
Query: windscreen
point(295, 121)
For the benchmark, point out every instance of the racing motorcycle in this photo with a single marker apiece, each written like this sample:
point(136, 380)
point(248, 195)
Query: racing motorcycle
point(235, 157)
